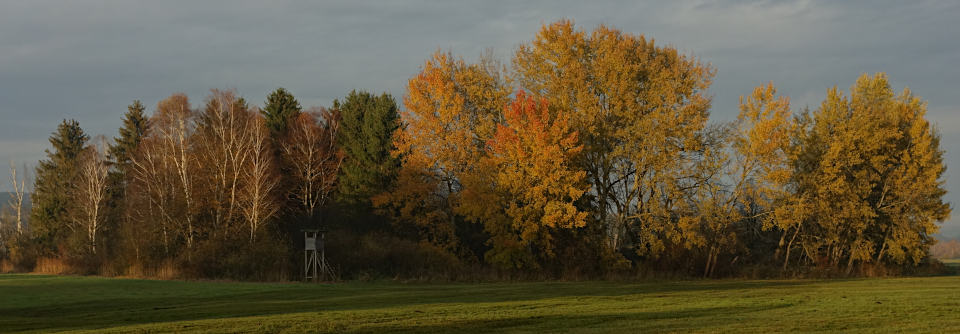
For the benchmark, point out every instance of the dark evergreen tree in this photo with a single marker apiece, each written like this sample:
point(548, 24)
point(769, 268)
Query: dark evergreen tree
point(120, 154)
point(279, 109)
point(53, 185)
point(135, 125)
point(241, 105)
point(366, 138)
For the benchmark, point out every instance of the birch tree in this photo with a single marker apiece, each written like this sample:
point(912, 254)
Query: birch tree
point(313, 157)
point(91, 195)
point(16, 201)
point(225, 147)
point(165, 167)
point(260, 179)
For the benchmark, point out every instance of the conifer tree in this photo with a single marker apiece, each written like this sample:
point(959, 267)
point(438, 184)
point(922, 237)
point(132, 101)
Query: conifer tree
point(280, 108)
point(134, 128)
point(366, 137)
point(120, 156)
point(54, 180)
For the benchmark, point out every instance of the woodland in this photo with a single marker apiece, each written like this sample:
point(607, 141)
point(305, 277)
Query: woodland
point(588, 154)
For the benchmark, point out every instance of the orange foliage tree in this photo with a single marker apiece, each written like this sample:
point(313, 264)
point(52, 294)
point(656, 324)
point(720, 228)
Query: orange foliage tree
point(531, 156)
point(452, 109)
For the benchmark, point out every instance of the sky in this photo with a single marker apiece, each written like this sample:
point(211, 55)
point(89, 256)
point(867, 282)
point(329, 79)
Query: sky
point(87, 60)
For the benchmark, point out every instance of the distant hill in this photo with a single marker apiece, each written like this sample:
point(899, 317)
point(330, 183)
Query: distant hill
point(5, 198)
point(946, 249)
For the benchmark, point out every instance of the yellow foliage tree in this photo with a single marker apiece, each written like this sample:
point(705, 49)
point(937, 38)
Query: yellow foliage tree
point(640, 110)
point(872, 166)
point(746, 169)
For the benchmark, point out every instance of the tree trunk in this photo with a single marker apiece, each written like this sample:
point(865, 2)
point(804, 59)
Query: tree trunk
point(850, 262)
point(707, 269)
point(786, 258)
point(884, 246)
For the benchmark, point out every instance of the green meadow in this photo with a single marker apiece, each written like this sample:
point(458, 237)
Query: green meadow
point(36, 303)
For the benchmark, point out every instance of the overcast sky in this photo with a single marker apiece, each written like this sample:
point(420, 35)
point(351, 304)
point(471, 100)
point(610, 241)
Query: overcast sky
point(87, 60)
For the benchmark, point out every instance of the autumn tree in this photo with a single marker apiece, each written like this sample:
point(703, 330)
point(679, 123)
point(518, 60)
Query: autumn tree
point(640, 110)
point(51, 198)
point(763, 142)
point(873, 168)
point(749, 169)
point(532, 154)
point(366, 129)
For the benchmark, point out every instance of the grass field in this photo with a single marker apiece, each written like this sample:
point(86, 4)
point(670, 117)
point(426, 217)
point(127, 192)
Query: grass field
point(35, 303)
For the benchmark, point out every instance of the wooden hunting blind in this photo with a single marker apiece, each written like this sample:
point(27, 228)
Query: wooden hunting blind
point(315, 266)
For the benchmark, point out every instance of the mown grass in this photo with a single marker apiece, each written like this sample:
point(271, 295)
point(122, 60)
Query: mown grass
point(34, 303)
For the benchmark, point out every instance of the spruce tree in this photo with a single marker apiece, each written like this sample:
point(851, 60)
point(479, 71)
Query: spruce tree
point(54, 182)
point(134, 128)
point(279, 109)
point(120, 155)
point(366, 138)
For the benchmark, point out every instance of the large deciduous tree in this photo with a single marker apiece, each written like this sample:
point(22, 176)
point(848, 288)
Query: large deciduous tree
point(640, 110)
point(873, 168)
point(748, 168)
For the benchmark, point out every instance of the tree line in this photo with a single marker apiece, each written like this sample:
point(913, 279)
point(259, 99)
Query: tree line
point(946, 249)
point(591, 154)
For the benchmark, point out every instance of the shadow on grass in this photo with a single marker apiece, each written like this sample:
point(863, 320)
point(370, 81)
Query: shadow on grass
point(61, 303)
point(628, 321)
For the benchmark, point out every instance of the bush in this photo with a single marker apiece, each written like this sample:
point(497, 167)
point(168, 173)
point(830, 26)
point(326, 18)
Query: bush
point(265, 259)
point(21, 254)
point(380, 255)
